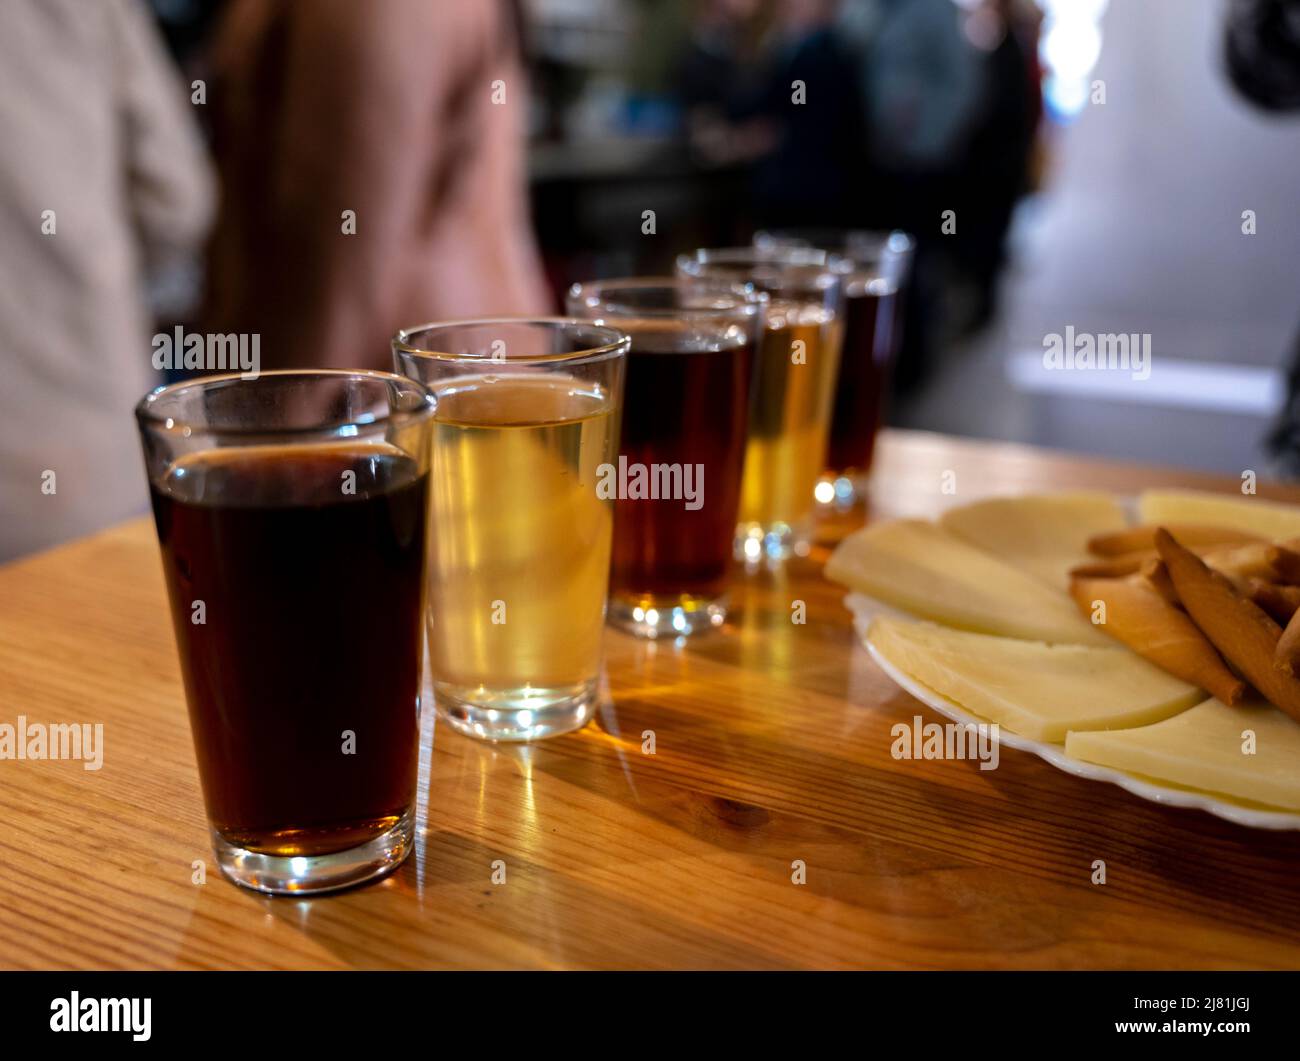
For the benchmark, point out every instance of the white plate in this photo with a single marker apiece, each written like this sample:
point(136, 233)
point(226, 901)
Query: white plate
point(865, 609)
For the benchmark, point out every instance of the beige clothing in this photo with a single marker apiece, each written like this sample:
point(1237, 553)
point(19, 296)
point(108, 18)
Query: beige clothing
point(95, 127)
point(385, 110)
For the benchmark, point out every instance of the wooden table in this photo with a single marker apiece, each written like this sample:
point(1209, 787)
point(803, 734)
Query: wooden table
point(772, 746)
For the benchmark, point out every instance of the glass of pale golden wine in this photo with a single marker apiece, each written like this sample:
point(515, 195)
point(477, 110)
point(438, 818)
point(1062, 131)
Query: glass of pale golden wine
point(519, 530)
point(682, 448)
point(794, 388)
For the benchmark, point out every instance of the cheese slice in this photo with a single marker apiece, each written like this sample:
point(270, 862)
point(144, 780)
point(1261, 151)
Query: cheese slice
point(1036, 690)
point(1044, 534)
point(1203, 749)
point(917, 567)
point(1254, 515)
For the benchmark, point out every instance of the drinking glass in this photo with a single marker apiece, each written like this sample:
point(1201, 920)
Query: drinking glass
point(291, 511)
point(873, 319)
point(682, 448)
point(520, 524)
point(798, 358)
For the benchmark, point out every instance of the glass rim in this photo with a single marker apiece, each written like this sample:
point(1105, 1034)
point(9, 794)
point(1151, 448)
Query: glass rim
point(801, 257)
point(744, 299)
point(615, 344)
point(828, 267)
point(881, 241)
point(147, 415)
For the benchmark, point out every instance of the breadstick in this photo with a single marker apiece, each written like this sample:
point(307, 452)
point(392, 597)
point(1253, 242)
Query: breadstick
point(1155, 572)
point(1154, 629)
point(1240, 562)
point(1244, 634)
point(1136, 539)
point(1280, 602)
point(1286, 657)
point(1115, 567)
point(1286, 562)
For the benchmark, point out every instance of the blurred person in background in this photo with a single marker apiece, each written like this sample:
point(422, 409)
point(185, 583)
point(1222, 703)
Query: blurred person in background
point(772, 85)
point(814, 173)
point(387, 111)
point(995, 172)
point(719, 79)
point(718, 53)
point(920, 81)
point(1262, 55)
point(950, 92)
point(1262, 52)
point(103, 178)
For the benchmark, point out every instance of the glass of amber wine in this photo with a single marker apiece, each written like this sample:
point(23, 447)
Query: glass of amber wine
point(519, 531)
point(798, 359)
point(874, 289)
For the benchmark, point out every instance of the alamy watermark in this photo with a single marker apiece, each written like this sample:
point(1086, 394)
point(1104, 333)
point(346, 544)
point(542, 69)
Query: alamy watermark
point(77, 1014)
point(208, 352)
point(1109, 351)
point(978, 741)
point(58, 740)
point(652, 482)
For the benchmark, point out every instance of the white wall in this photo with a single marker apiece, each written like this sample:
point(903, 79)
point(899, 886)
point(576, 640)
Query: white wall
point(1140, 228)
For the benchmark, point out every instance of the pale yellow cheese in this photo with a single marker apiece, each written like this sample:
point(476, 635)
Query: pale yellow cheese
point(1203, 749)
point(917, 567)
point(1036, 690)
point(1044, 534)
point(1254, 515)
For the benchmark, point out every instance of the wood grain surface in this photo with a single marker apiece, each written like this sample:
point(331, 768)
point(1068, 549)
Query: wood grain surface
point(772, 745)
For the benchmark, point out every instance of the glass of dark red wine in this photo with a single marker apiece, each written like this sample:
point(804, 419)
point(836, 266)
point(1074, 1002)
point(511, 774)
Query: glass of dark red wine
point(794, 379)
point(681, 453)
point(880, 263)
point(291, 510)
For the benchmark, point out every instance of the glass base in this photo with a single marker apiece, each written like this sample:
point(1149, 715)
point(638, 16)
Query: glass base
point(316, 874)
point(757, 542)
point(523, 714)
point(840, 491)
point(675, 617)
